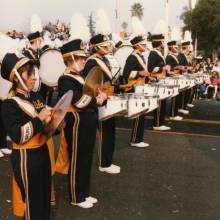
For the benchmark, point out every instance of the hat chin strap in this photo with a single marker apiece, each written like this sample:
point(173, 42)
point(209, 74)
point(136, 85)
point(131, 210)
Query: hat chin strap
point(21, 81)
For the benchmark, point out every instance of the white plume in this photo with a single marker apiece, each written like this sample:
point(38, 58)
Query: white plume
point(79, 28)
point(137, 26)
point(160, 28)
point(187, 36)
point(47, 41)
point(103, 25)
point(8, 45)
point(58, 43)
point(116, 38)
point(176, 34)
point(36, 24)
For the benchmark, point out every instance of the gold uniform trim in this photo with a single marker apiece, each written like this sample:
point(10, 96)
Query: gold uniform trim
point(76, 53)
point(19, 64)
point(74, 158)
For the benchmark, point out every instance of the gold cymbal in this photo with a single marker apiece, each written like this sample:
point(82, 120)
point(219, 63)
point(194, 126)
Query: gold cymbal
point(58, 113)
point(93, 81)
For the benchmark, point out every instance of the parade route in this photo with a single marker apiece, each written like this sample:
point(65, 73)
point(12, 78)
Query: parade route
point(177, 177)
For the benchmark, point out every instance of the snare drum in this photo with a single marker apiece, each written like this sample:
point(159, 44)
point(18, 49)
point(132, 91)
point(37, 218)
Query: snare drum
point(138, 104)
point(116, 105)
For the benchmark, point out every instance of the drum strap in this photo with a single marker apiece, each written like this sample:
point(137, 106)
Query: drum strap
point(102, 65)
point(76, 77)
point(160, 54)
point(174, 57)
point(25, 106)
point(141, 62)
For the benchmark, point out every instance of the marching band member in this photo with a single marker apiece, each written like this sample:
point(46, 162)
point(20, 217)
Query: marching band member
point(183, 60)
point(81, 121)
point(158, 68)
point(24, 116)
point(33, 51)
point(100, 47)
point(135, 72)
point(173, 62)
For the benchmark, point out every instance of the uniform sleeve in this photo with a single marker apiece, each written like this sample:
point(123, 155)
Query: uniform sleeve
point(182, 60)
point(88, 66)
point(20, 132)
point(79, 100)
point(171, 62)
point(130, 69)
point(153, 63)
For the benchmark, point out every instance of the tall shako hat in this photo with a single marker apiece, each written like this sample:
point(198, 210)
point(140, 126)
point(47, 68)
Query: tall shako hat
point(10, 59)
point(73, 47)
point(103, 29)
point(138, 31)
point(175, 37)
point(35, 28)
point(187, 39)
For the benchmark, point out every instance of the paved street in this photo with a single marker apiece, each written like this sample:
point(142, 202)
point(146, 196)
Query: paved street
point(177, 177)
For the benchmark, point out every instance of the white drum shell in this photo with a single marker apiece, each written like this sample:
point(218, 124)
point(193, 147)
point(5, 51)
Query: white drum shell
point(116, 105)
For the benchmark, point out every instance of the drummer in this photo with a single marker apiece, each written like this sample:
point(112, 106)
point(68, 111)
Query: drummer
point(184, 60)
point(158, 68)
point(135, 72)
point(176, 68)
point(24, 116)
point(33, 51)
point(79, 134)
point(100, 45)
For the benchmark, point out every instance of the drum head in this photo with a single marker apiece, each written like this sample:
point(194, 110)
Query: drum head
point(122, 53)
point(93, 81)
point(51, 67)
point(5, 86)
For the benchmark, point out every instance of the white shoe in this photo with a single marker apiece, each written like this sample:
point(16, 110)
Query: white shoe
point(85, 205)
point(162, 128)
point(190, 105)
point(1, 154)
point(185, 112)
point(91, 199)
point(6, 151)
point(176, 118)
point(140, 145)
point(113, 169)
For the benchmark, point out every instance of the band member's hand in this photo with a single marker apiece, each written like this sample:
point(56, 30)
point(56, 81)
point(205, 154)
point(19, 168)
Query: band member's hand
point(125, 87)
point(152, 79)
point(166, 68)
point(45, 115)
point(143, 73)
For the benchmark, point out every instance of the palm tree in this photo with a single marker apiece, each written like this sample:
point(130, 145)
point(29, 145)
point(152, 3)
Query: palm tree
point(137, 10)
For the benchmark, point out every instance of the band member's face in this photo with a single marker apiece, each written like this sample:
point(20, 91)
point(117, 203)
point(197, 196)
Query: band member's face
point(104, 49)
point(162, 45)
point(142, 47)
point(29, 79)
point(79, 64)
point(36, 44)
point(174, 49)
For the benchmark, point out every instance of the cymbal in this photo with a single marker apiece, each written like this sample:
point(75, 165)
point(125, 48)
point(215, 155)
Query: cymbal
point(58, 113)
point(93, 80)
